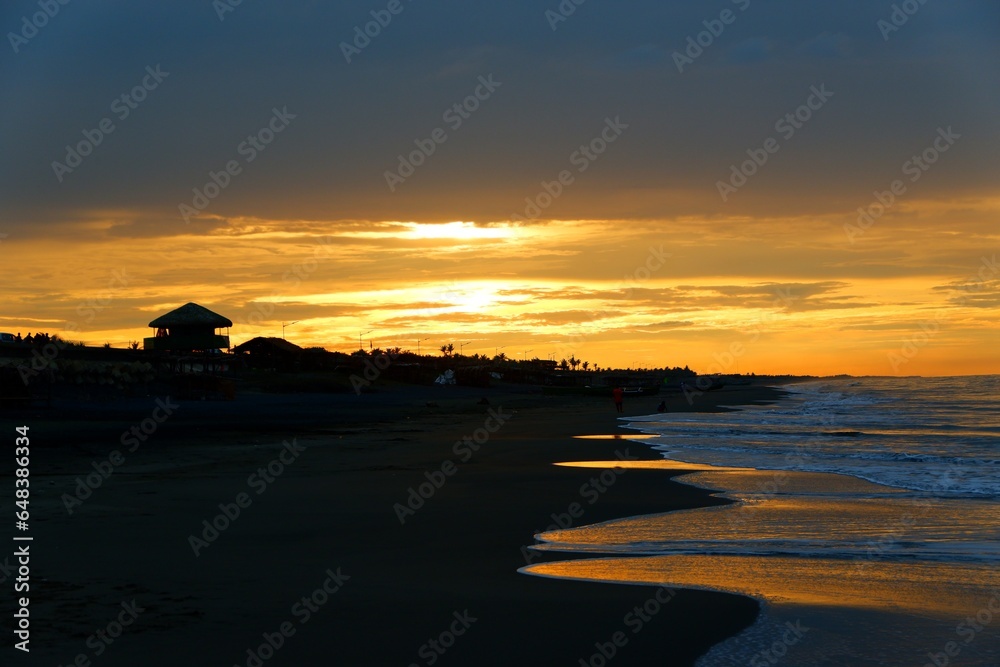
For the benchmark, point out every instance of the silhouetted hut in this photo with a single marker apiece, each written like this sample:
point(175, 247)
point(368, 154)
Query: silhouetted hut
point(269, 353)
point(190, 328)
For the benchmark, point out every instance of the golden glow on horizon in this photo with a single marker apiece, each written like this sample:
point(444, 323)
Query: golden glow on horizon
point(692, 292)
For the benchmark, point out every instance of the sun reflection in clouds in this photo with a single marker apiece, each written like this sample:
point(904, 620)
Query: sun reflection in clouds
point(445, 231)
point(450, 296)
point(464, 231)
point(838, 308)
point(468, 297)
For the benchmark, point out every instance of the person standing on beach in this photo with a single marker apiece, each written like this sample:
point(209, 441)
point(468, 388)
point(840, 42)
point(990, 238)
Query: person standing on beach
point(618, 393)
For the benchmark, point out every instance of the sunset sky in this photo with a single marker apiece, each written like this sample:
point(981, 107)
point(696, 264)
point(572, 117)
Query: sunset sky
point(649, 252)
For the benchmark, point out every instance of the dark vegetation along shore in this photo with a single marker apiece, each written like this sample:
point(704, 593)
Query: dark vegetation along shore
point(380, 529)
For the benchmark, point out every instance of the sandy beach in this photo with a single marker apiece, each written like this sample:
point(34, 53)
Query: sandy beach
point(384, 529)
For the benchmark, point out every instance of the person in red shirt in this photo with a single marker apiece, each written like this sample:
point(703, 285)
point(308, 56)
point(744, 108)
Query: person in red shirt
point(618, 393)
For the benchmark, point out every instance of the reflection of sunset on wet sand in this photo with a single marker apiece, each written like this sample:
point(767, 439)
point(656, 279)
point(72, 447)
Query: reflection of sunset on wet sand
point(915, 588)
point(616, 436)
point(836, 533)
point(889, 560)
point(885, 614)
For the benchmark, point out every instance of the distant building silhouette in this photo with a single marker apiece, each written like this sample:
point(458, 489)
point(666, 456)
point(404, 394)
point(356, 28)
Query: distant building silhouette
point(270, 353)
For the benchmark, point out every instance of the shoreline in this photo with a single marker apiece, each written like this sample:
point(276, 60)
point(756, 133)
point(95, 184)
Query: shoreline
point(825, 552)
point(334, 508)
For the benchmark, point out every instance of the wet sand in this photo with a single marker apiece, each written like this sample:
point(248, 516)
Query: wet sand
point(849, 572)
point(447, 574)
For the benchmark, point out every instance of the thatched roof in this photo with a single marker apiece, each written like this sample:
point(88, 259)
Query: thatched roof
point(190, 314)
point(265, 344)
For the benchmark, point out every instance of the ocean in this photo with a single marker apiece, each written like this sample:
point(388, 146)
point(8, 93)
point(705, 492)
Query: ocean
point(866, 520)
